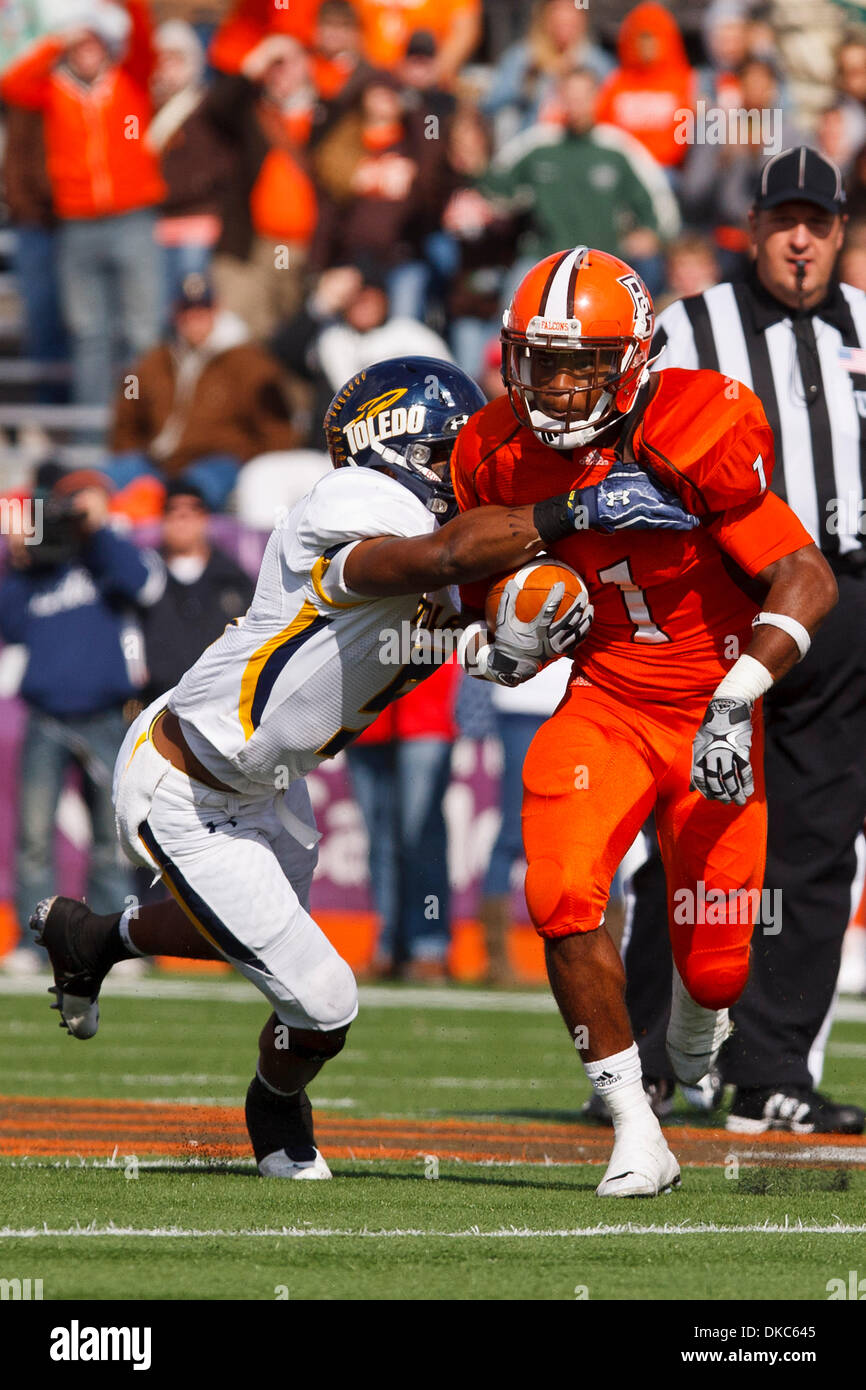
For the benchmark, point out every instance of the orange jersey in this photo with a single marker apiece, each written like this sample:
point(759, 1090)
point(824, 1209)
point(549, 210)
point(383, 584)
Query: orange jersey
point(673, 609)
point(97, 164)
point(388, 25)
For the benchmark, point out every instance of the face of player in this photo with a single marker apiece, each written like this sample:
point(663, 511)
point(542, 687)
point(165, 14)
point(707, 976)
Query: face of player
point(566, 385)
point(792, 232)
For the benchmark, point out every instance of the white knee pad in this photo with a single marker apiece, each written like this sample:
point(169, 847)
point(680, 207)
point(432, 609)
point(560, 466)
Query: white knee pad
point(329, 994)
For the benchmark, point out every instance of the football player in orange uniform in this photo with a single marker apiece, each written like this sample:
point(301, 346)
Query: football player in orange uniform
point(662, 713)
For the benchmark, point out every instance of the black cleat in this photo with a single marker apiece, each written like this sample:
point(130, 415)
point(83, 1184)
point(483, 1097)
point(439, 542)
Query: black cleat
point(660, 1094)
point(82, 949)
point(798, 1109)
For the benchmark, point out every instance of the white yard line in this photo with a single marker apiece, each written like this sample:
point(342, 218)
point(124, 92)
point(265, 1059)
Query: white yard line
point(228, 991)
point(472, 1232)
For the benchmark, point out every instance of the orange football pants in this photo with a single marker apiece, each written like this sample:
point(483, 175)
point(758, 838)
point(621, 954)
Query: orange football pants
point(593, 774)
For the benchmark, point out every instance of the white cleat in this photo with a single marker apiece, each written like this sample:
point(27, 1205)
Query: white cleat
point(695, 1035)
point(641, 1165)
point(280, 1165)
point(80, 1016)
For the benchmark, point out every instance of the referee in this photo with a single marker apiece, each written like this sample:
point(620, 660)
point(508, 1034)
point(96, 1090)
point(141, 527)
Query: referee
point(797, 337)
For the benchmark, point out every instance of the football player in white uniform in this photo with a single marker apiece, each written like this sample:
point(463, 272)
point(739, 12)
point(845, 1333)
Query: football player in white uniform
point(209, 786)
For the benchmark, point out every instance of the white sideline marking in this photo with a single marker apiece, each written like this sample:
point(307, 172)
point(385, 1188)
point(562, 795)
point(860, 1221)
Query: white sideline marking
point(229, 991)
point(857, 1050)
point(473, 1232)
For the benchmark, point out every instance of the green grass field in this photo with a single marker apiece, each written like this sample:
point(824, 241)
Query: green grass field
point(384, 1228)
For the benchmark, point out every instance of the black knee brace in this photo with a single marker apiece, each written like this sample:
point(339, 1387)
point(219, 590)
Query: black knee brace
point(315, 1046)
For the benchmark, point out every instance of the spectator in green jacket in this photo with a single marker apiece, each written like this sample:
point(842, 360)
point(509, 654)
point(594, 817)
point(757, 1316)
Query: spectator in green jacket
point(576, 185)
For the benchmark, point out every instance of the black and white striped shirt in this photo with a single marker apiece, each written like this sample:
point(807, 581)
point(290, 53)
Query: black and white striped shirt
point(811, 383)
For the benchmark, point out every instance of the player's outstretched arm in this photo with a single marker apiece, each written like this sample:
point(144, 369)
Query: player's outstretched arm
point(490, 539)
point(801, 592)
point(482, 542)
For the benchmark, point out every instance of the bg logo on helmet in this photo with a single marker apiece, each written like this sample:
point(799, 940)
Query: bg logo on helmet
point(643, 309)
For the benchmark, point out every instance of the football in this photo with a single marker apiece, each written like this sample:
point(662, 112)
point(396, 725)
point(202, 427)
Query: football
point(535, 581)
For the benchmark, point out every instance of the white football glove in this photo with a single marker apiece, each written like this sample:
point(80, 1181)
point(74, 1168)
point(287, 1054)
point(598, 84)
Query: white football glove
point(520, 648)
point(721, 770)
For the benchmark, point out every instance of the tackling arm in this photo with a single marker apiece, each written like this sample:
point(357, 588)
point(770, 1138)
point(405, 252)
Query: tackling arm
point(485, 541)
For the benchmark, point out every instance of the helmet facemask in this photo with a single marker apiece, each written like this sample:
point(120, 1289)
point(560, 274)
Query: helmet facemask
point(425, 469)
point(569, 391)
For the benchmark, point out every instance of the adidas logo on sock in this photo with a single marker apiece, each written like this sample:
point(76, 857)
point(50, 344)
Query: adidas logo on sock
point(607, 1078)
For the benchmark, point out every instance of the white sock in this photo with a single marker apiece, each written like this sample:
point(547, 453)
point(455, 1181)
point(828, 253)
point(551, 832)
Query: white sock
point(123, 927)
point(618, 1080)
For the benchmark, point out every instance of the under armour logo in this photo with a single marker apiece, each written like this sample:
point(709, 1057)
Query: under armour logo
point(614, 497)
point(212, 825)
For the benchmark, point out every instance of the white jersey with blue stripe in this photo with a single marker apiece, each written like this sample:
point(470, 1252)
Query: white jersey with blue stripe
point(312, 663)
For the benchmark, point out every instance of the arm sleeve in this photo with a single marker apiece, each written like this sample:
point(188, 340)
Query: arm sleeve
point(270, 414)
point(129, 426)
point(140, 58)
point(759, 532)
point(14, 593)
point(708, 439)
point(506, 183)
point(341, 510)
point(638, 197)
point(122, 570)
point(226, 102)
point(27, 81)
point(244, 27)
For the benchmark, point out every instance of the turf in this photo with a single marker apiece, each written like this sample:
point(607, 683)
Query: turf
point(505, 1066)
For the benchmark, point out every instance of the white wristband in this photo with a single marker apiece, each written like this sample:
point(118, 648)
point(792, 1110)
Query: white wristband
point(747, 679)
point(463, 642)
point(794, 629)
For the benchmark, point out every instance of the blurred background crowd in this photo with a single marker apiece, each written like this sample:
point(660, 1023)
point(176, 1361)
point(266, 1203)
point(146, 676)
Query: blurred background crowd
point(212, 215)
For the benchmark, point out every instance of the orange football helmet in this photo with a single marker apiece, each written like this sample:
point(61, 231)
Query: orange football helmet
point(576, 341)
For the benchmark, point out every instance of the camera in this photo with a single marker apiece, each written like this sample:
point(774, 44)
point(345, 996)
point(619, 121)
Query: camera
point(62, 531)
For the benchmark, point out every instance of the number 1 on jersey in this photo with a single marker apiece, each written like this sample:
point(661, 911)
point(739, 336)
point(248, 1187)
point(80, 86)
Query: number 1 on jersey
point(645, 630)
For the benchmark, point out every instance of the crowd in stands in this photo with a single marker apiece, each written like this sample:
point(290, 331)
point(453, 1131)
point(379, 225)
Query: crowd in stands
point(221, 211)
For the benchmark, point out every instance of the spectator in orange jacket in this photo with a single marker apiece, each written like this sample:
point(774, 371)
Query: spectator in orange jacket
point(250, 21)
point(653, 82)
point(270, 209)
point(91, 85)
point(388, 27)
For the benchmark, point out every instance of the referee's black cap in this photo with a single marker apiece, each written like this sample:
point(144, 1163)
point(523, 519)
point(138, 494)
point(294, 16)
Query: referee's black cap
point(800, 175)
